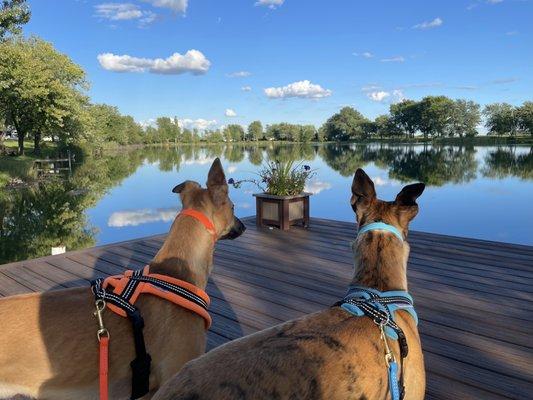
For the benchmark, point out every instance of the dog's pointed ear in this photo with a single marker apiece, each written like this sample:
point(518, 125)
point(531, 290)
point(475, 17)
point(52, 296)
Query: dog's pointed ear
point(363, 191)
point(409, 194)
point(185, 186)
point(216, 183)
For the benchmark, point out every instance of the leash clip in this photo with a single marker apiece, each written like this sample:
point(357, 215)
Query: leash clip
point(389, 356)
point(102, 331)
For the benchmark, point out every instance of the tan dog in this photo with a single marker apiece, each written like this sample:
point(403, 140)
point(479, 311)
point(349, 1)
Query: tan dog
point(48, 346)
point(330, 354)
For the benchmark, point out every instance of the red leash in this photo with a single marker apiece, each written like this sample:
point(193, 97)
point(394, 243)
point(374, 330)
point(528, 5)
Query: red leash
point(103, 337)
point(104, 367)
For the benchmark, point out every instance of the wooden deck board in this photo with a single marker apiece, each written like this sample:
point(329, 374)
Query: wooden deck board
point(474, 298)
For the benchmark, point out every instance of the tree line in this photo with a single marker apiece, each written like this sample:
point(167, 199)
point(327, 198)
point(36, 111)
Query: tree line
point(43, 97)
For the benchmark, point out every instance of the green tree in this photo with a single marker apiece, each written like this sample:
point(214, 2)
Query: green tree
point(105, 124)
point(214, 136)
point(40, 88)
point(168, 129)
point(13, 14)
point(434, 115)
point(525, 117)
point(346, 124)
point(382, 124)
point(307, 133)
point(500, 119)
point(464, 118)
point(187, 136)
point(255, 131)
point(405, 116)
point(233, 133)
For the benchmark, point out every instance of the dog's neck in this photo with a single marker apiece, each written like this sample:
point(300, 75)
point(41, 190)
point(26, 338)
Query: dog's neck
point(380, 262)
point(187, 253)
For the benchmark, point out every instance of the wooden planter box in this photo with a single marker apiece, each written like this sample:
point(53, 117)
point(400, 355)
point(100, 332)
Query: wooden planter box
point(282, 211)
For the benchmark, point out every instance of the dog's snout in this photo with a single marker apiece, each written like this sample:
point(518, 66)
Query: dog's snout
point(236, 230)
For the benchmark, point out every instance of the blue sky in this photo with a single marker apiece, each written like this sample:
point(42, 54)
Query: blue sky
point(242, 60)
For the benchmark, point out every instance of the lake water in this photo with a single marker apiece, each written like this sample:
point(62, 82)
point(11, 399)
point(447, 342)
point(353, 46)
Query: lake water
point(480, 192)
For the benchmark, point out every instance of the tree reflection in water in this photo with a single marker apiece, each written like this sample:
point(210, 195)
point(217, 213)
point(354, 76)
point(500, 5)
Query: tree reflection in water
point(52, 212)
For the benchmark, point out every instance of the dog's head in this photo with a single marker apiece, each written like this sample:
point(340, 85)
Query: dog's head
point(214, 202)
point(368, 208)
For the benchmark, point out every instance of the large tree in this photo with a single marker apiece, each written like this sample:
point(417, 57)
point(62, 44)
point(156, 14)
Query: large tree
point(405, 115)
point(464, 118)
point(40, 88)
point(501, 119)
point(233, 133)
point(347, 124)
point(525, 117)
point(255, 131)
point(434, 115)
point(13, 14)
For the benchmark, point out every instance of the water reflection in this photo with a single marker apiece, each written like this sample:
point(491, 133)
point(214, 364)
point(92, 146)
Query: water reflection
point(53, 212)
point(505, 162)
point(434, 165)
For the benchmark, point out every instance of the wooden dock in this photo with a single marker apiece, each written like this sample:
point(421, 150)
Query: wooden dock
point(474, 298)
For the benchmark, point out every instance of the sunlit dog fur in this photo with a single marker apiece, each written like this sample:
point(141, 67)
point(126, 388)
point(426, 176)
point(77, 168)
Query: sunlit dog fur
point(330, 354)
point(48, 345)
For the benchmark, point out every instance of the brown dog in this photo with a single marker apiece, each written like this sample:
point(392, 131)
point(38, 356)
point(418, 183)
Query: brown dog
point(330, 354)
point(48, 346)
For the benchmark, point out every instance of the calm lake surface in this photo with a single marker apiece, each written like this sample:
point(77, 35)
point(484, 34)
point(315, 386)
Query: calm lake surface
point(480, 192)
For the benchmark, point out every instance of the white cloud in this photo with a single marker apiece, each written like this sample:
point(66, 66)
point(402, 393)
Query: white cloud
point(393, 59)
point(511, 33)
point(378, 96)
point(120, 219)
point(192, 61)
point(124, 12)
point(118, 11)
point(246, 88)
point(316, 186)
point(200, 123)
point(230, 112)
point(494, 1)
point(302, 89)
point(429, 24)
point(239, 74)
point(269, 3)
point(174, 5)
point(245, 205)
point(231, 169)
point(365, 54)
point(384, 96)
point(370, 87)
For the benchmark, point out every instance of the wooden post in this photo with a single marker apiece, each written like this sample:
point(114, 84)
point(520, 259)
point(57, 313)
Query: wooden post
point(306, 212)
point(285, 223)
point(258, 212)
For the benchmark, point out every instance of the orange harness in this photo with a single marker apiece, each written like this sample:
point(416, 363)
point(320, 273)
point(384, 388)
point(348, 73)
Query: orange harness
point(120, 292)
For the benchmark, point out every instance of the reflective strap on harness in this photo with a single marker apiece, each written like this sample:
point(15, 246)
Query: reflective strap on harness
point(119, 293)
point(381, 308)
point(104, 368)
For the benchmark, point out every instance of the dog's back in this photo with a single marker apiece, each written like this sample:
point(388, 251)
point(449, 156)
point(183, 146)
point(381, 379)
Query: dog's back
point(326, 355)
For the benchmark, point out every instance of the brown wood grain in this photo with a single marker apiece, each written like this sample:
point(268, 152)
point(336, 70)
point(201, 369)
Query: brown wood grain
point(474, 298)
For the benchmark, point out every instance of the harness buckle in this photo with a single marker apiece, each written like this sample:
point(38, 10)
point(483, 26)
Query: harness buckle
point(100, 306)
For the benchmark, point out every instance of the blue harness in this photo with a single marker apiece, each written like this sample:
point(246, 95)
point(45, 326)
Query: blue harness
point(381, 307)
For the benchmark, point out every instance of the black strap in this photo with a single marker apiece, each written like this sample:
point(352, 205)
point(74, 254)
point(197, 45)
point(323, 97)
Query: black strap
point(140, 366)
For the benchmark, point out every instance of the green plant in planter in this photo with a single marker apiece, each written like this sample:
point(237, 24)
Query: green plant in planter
point(280, 178)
